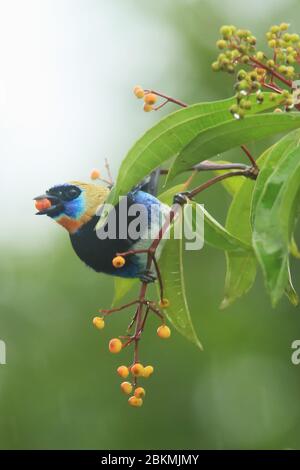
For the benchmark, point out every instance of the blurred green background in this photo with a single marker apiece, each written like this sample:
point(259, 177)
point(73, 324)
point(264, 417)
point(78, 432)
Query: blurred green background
point(59, 388)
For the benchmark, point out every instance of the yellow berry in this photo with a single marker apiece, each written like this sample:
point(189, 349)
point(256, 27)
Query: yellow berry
point(221, 44)
point(137, 370)
point(148, 107)
point(95, 174)
point(164, 331)
point(215, 66)
point(98, 322)
point(164, 303)
point(278, 110)
point(115, 345)
point(138, 91)
point(118, 262)
point(148, 370)
point(136, 402)
point(139, 392)
point(123, 371)
point(150, 98)
point(284, 26)
point(126, 387)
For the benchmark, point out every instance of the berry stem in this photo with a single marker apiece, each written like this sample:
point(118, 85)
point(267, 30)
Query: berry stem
point(273, 72)
point(247, 152)
point(168, 98)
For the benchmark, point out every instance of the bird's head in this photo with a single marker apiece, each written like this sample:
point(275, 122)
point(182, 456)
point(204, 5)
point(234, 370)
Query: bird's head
point(71, 204)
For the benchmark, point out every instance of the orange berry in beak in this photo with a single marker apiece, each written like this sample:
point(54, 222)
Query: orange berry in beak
point(42, 204)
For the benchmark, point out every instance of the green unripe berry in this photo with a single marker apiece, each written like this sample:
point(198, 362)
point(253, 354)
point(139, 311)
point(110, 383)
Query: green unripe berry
point(260, 98)
point(270, 63)
point(282, 69)
point(272, 43)
point(260, 55)
point(234, 109)
point(243, 85)
point(247, 104)
point(215, 66)
point(226, 31)
point(242, 74)
point(251, 40)
point(221, 44)
point(289, 102)
point(245, 59)
point(273, 96)
point(275, 29)
point(284, 26)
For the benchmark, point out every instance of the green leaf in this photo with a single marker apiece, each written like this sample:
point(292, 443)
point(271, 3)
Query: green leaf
point(217, 236)
point(218, 136)
point(171, 268)
point(122, 286)
point(170, 135)
point(270, 159)
point(274, 217)
point(290, 290)
point(294, 250)
point(232, 185)
point(240, 267)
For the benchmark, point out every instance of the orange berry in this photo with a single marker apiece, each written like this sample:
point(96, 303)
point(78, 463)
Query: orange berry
point(164, 303)
point(164, 331)
point(123, 371)
point(139, 392)
point(138, 91)
point(126, 388)
point(98, 322)
point(150, 98)
point(42, 204)
point(118, 262)
point(95, 174)
point(136, 402)
point(115, 345)
point(148, 108)
point(148, 370)
point(137, 370)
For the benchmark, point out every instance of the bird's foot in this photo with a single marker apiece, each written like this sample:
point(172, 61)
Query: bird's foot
point(147, 276)
point(181, 198)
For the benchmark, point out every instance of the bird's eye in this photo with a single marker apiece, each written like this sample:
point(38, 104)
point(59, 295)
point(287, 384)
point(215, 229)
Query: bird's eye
point(72, 193)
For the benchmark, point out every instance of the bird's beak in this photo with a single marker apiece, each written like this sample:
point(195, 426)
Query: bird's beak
point(48, 204)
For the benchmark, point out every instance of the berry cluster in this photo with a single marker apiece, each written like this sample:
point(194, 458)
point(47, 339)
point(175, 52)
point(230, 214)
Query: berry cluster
point(149, 97)
point(137, 370)
point(286, 49)
point(116, 345)
point(238, 48)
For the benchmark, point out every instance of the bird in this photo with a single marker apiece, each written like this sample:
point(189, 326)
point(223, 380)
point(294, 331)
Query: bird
point(77, 207)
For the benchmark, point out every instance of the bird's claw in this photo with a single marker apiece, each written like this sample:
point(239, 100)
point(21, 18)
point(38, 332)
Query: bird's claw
point(147, 276)
point(181, 198)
